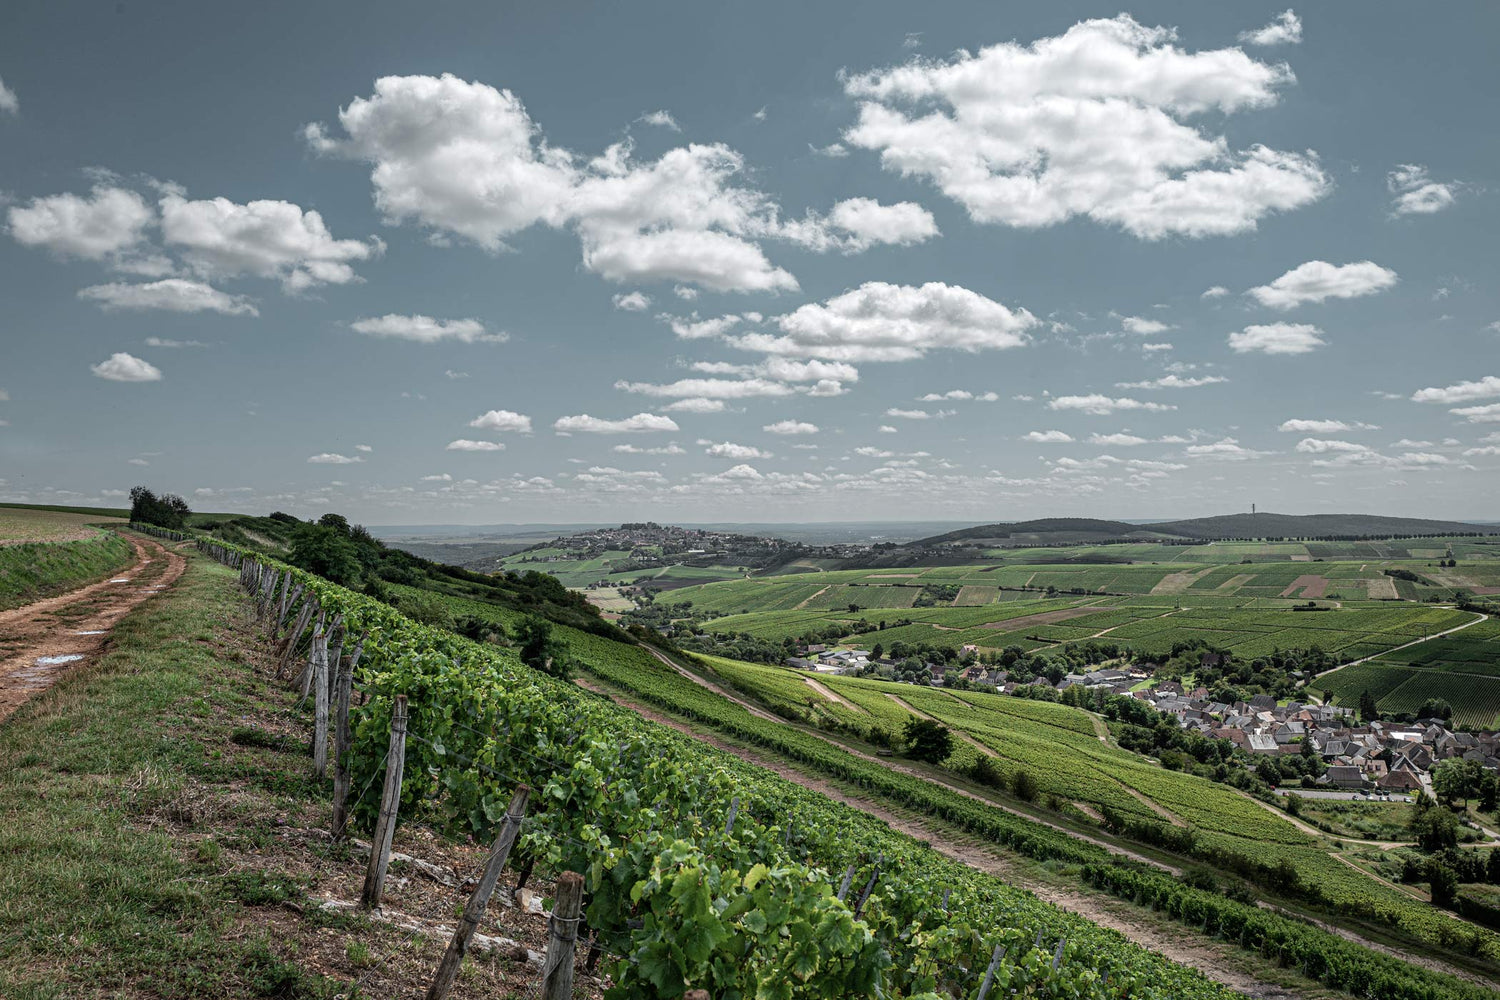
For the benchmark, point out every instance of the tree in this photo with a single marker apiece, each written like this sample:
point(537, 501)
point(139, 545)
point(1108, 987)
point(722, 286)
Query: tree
point(1293, 805)
point(1458, 780)
point(1434, 828)
point(326, 552)
point(338, 522)
point(927, 740)
point(165, 511)
point(539, 650)
point(1023, 785)
point(1444, 882)
point(1435, 708)
point(1368, 712)
point(876, 651)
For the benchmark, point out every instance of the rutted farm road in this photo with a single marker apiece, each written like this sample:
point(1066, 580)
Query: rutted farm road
point(43, 640)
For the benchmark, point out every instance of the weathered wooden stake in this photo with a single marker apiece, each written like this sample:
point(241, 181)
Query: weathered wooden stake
point(1057, 955)
point(306, 680)
point(864, 897)
point(342, 738)
point(320, 706)
point(734, 810)
point(562, 933)
point(286, 587)
point(989, 974)
point(300, 626)
point(453, 958)
point(844, 885)
point(390, 801)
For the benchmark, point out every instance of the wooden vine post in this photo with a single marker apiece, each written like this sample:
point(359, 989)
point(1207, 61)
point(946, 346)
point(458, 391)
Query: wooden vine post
point(562, 934)
point(342, 738)
point(390, 801)
point(453, 958)
point(320, 704)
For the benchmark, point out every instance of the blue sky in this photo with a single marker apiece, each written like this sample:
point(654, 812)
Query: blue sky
point(484, 263)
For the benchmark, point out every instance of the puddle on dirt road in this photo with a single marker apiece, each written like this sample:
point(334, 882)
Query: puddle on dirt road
point(49, 661)
point(92, 631)
point(123, 579)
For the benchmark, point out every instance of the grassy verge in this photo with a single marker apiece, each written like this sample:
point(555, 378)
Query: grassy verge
point(34, 570)
point(159, 832)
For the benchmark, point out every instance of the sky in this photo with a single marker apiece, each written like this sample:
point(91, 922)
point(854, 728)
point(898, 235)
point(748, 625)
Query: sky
point(479, 263)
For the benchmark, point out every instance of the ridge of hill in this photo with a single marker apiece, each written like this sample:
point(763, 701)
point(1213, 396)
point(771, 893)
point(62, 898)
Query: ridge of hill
point(1222, 526)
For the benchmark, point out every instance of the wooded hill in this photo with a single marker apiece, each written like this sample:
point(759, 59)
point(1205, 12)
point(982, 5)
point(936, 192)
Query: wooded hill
point(1065, 531)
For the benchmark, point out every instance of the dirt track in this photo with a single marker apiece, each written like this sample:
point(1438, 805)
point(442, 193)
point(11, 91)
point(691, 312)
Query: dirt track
point(71, 628)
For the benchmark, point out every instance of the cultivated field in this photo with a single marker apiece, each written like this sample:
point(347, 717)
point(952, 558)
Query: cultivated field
point(29, 524)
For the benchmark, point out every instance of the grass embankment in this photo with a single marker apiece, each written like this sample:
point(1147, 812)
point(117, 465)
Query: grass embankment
point(33, 570)
point(158, 829)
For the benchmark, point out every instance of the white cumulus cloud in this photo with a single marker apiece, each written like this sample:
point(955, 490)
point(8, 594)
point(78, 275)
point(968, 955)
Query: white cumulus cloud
point(1459, 392)
point(1048, 437)
point(333, 458)
point(427, 330)
point(502, 420)
point(465, 444)
point(1318, 281)
point(122, 367)
point(170, 295)
point(9, 102)
point(737, 452)
point(879, 321)
point(1415, 193)
point(1096, 122)
point(640, 423)
point(632, 301)
point(108, 222)
point(1100, 405)
point(1285, 29)
point(1277, 338)
point(790, 427)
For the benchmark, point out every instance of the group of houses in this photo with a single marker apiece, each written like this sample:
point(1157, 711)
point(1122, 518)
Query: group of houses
point(1372, 756)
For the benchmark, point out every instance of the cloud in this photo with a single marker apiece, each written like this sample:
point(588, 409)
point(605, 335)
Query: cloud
point(1320, 446)
point(1227, 449)
point(883, 322)
point(1092, 123)
point(868, 451)
point(1486, 414)
point(1459, 392)
point(934, 397)
point(1101, 405)
point(669, 449)
point(441, 477)
point(266, 239)
point(1135, 324)
point(1277, 338)
point(1048, 437)
point(1301, 426)
point(169, 294)
point(661, 119)
point(122, 367)
point(640, 423)
point(1317, 281)
point(1415, 193)
point(1216, 292)
point(1173, 382)
point(695, 404)
point(882, 429)
point(833, 151)
point(907, 414)
point(1285, 29)
point(426, 330)
point(790, 427)
point(1119, 439)
point(464, 444)
point(738, 452)
point(710, 388)
point(332, 458)
point(162, 342)
point(632, 301)
point(110, 222)
point(856, 224)
point(466, 158)
point(364, 448)
point(502, 420)
point(9, 102)
point(450, 373)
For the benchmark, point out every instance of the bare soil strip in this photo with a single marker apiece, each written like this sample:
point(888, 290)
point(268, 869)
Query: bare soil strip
point(804, 602)
point(41, 641)
point(1044, 618)
point(1311, 585)
point(828, 693)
